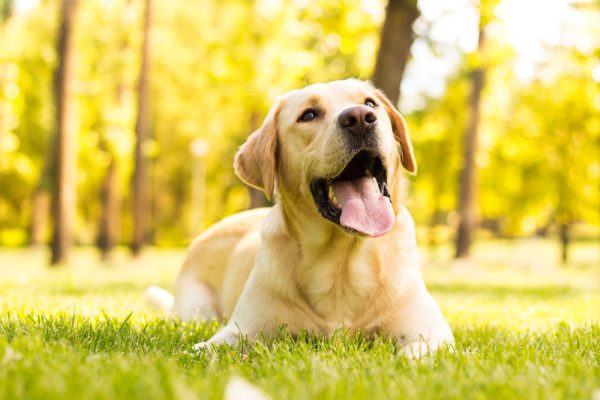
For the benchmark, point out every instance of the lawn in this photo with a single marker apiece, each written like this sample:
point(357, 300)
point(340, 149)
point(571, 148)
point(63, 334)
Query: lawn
point(525, 327)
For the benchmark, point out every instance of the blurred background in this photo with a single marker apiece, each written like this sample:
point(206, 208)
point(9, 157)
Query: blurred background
point(119, 119)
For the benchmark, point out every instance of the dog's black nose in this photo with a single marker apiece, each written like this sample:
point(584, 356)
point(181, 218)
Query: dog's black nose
point(358, 120)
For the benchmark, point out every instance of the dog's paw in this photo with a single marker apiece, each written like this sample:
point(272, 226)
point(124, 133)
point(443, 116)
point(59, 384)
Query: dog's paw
point(226, 336)
point(423, 348)
point(201, 346)
point(416, 350)
point(205, 350)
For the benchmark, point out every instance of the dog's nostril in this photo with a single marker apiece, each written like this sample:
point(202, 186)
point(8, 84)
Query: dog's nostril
point(348, 118)
point(370, 118)
point(348, 122)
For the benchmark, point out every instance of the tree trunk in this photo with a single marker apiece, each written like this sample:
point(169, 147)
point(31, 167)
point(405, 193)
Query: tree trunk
point(396, 39)
point(39, 216)
point(108, 227)
point(40, 199)
point(467, 200)
point(7, 10)
point(565, 239)
point(141, 184)
point(64, 205)
point(110, 217)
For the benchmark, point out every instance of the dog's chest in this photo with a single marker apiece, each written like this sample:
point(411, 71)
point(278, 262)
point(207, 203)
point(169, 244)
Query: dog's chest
point(339, 289)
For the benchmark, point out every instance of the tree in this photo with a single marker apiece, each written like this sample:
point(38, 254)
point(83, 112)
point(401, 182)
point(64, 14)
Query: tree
point(437, 141)
point(141, 182)
point(556, 163)
point(64, 206)
point(6, 9)
point(394, 49)
point(537, 162)
point(27, 119)
point(467, 198)
point(117, 123)
point(110, 206)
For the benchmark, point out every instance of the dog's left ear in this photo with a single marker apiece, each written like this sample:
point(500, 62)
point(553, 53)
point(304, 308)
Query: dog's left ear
point(256, 161)
point(400, 133)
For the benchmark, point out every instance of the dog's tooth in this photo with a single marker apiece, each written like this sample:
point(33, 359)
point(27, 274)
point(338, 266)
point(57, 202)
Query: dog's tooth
point(332, 197)
point(335, 202)
point(376, 184)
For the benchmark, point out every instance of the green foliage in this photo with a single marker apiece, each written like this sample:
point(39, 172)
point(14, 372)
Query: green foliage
point(538, 150)
point(216, 66)
point(26, 109)
point(544, 167)
point(212, 78)
point(437, 138)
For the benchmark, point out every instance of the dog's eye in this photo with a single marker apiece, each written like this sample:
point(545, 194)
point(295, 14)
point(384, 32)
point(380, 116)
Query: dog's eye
point(308, 115)
point(370, 103)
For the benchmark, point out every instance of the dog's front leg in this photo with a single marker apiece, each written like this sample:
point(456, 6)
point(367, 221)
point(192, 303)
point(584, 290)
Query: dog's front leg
point(256, 312)
point(420, 326)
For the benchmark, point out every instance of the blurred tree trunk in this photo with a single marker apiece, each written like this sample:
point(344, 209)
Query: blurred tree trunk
point(565, 239)
point(7, 9)
point(39, 216)
point(141, 182)
point(108, 227)
point(467, 200)
point(110, 217)
point(394, 49)
point(566, 206)
point(40, 199)
point(63, 196)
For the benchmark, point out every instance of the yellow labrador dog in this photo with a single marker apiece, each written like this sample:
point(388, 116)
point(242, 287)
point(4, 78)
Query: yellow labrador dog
point(338, 249)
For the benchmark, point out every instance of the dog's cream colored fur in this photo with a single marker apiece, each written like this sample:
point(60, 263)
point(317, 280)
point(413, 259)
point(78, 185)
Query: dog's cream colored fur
point(289, 265)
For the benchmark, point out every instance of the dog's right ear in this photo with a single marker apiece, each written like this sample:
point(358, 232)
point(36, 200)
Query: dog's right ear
point(256, 161)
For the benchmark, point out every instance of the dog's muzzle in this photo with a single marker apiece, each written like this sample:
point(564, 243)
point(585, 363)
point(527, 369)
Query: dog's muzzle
point(358, 125)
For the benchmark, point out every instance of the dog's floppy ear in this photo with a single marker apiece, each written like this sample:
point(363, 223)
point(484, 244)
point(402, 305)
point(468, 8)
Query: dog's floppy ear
point(256, 161)
point(400, 133)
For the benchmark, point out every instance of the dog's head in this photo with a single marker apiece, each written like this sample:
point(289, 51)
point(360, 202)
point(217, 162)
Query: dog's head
point(333, 148)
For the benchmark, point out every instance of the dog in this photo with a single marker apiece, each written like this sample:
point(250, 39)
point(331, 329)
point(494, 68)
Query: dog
point(338, 248)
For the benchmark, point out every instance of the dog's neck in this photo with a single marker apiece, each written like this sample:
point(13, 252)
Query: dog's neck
point(310, 230)
point(331, 267)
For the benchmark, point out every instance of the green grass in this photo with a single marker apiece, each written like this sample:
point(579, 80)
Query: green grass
point(525, 329)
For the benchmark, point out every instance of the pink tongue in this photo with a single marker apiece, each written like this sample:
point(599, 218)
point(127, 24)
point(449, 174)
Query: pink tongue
point(364, 209)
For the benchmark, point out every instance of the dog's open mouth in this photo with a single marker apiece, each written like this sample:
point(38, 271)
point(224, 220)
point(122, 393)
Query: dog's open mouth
point(357, 198)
